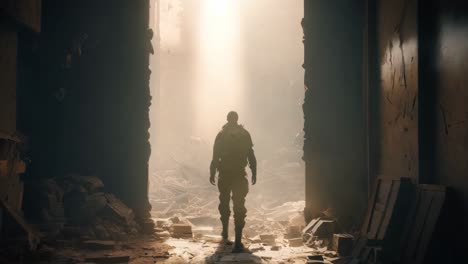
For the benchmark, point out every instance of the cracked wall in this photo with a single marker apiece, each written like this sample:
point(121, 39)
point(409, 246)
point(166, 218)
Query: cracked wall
point(417, 92)
point(397, 98)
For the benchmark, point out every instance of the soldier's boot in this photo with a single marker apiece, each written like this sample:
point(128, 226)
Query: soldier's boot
point(238, 246)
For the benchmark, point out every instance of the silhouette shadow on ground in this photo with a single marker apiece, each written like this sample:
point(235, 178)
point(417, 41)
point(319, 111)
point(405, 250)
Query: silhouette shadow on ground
point(223, 254)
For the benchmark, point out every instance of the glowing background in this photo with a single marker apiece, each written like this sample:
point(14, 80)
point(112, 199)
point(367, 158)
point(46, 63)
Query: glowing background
point(220, 82)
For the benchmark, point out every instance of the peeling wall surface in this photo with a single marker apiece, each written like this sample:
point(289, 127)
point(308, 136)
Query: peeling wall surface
point(334, 140)
point(84, 94)
point(397, 104)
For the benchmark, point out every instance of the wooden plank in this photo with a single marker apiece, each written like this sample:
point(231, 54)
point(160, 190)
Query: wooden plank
point(421, 214)
point(370, 206)
point(429, 226)
point(390, 204)
point(379, 208)
point(380, 213)
point(422, 222)
point(386, 215)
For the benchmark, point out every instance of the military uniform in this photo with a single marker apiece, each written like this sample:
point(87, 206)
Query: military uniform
point(232, 152)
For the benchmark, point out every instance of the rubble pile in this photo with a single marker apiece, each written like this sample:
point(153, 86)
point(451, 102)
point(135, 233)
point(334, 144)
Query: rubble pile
point(76, 206)
point(179, 187)
point(185, 210)
point(177, 196)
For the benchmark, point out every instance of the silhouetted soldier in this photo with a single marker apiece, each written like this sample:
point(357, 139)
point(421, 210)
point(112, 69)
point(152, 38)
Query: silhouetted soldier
point(231, 152)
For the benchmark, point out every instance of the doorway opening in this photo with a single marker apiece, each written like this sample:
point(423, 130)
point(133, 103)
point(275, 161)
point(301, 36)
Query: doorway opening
point(211, 57)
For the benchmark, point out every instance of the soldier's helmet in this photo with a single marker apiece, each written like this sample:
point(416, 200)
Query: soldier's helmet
point(232, 117)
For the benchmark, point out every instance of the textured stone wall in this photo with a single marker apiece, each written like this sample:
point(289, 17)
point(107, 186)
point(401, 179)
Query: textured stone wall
point(84, 94)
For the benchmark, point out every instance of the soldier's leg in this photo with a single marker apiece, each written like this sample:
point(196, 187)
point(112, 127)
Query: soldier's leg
point(224, 188)
point(239, 192)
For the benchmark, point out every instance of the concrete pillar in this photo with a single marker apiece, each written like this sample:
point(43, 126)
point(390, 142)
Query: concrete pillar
point(334, 139)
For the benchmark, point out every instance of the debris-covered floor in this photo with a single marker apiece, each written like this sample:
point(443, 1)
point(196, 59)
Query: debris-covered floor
point(149, 249)
point(185, 210)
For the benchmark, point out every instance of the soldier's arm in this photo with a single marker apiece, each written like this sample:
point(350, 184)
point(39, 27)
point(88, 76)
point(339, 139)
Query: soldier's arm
point(252, 160)
point(216, 156)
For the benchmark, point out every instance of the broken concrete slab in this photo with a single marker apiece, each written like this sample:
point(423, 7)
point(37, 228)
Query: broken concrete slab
point(175, 220)
point(293, 231)
point(117, 210)
point(268, 238)
point(275, 248)
point(182, 228)
point(255, 239)
point(296, 242)
point(182, 231)
point(204, 221)
point(163, 234)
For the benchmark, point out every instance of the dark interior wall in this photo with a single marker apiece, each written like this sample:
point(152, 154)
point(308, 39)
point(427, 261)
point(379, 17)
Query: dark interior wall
point(444, 130)
point(83, 94)
point(8, 47)
point(334, 139)
point(451, 87)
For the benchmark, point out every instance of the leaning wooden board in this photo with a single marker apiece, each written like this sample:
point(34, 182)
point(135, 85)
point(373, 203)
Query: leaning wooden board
point(421, 223)
point(386, 207)
point(400, 220)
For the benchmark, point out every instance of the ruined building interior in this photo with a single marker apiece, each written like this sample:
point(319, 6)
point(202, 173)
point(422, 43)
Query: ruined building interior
point(357, 111)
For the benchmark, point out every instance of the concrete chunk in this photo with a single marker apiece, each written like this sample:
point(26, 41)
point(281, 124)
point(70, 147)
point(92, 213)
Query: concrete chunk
point(116, 209)
point(293, 231)
point(295, 242)
point(268, 238)
point(181, 230)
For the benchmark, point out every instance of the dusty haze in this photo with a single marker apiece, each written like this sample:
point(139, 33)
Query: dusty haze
point(222, 55)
